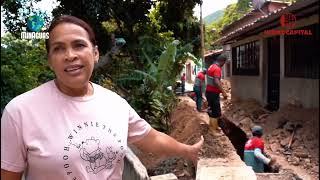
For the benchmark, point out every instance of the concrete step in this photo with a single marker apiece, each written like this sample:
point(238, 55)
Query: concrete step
point(275, 176)
point(224, 170)
point(170, 176)
point(226, 173)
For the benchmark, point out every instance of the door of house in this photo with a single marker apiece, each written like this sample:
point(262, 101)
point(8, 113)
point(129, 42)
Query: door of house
point(188, 73)
point(273, 72)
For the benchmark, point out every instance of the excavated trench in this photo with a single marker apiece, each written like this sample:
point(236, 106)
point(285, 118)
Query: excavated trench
point(238, 139)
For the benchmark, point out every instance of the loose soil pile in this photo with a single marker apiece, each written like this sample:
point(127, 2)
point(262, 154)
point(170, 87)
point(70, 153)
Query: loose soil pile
point(303, 156)
point(187, 126)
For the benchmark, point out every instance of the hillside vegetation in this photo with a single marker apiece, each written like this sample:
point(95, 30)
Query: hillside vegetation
point(213, 17)
point(232, 13)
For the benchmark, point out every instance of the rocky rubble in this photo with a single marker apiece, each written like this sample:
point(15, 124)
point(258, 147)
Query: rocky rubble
point(278, 127)
point(245, 114)
point(298, 155)
point(187, 127)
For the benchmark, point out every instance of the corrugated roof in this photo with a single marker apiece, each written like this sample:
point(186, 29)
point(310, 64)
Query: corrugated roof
point(210, 53)
point(254, 12)
point(264, 19)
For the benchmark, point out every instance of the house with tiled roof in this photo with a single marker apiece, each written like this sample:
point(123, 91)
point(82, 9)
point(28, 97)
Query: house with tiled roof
point(211, 56)
point(274, 52)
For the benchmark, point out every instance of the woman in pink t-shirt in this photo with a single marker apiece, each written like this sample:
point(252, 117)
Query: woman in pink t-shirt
point(71, 128)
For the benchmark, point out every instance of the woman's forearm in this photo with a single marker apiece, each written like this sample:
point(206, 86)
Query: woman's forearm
point(161, 144)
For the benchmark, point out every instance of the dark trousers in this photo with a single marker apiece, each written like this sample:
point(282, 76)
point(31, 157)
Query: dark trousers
point(214, 104)
point(183, 84)
point(197, 90)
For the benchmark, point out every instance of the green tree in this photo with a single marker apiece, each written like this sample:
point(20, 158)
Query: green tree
point(16, 13)
point(130, 17)
point(232, 13)
point(211, 35)
point(151, 97)
point(177, 16)
point(23, 67)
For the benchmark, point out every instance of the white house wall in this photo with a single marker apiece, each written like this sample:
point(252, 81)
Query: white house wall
point(189, 77)
point(304, 91)
point(301, 90)
point(246, 87)
point(297, 90)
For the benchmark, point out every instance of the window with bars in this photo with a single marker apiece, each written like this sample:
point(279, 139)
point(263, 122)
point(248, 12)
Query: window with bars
point(245, 59)
point(302, 54)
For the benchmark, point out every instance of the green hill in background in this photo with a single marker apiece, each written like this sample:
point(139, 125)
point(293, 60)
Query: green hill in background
point(215, 16)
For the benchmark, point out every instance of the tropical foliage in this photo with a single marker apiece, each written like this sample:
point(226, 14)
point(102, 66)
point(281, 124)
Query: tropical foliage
point(231, 13)
point(147, 91)
point(23, 67)
point(215, 16)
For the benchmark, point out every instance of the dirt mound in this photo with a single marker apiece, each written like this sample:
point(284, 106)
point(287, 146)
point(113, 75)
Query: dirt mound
point(187, 126)
point(278, 127)
point(185, 121)
point(304, 151)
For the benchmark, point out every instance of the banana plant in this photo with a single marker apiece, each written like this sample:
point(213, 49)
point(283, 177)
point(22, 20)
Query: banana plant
point(169, 66)
point(152, 99)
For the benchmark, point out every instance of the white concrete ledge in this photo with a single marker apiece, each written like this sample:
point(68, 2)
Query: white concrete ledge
point(164, 177)
point(216, 169)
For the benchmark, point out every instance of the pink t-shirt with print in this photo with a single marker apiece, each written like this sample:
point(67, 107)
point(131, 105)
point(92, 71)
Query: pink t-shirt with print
point(51, 136)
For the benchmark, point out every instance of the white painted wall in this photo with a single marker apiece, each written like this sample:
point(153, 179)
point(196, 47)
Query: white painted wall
point(246, 87)
point(190, 77)
point(305, 91)
point(302, 90)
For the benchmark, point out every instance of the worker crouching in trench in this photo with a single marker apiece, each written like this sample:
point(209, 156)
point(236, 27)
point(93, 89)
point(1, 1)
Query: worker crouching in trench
point(254, 152)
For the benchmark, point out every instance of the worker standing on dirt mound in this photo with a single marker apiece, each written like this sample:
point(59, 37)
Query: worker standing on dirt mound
point(198, 88)
point(253, 151)
point(213, 90)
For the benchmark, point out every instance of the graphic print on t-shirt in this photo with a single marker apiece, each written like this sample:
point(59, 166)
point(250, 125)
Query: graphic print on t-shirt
point(92, 153)
point(100, 150)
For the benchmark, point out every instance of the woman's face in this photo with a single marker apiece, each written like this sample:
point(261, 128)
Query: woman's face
point(71, 55)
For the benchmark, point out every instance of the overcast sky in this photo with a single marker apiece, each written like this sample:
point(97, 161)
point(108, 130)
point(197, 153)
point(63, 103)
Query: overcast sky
point(208, 7)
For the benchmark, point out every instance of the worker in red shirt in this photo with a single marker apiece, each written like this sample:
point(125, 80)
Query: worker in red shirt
point(183, 82)
point(254, 152)
point(213, 90)
point(198, 88)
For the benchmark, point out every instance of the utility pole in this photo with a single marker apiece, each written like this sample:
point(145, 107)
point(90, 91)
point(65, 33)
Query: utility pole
point(202, 37)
